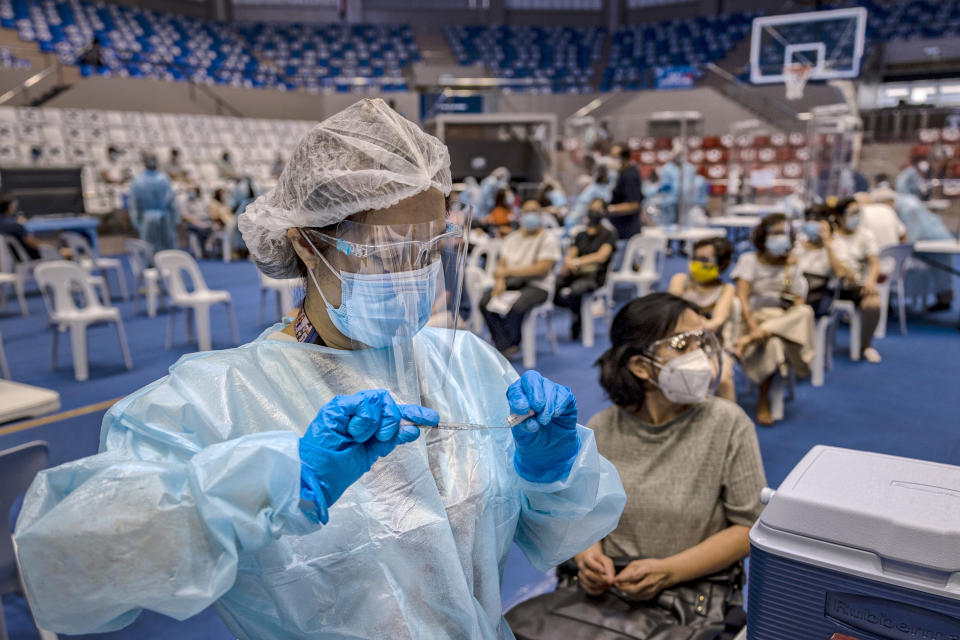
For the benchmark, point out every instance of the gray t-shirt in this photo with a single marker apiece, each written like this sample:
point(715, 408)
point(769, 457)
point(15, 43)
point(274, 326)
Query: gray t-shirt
point(685, 480)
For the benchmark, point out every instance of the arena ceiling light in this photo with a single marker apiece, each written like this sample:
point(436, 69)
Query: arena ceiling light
point(898, 92)
point(950, 88)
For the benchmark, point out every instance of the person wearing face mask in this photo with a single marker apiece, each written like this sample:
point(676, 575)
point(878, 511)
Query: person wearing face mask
point(913, 180)
point(497, 181)
point(703, 286)
point(153, 207)
point(693, 474)
point(196, 215)
point(525, 266)
point(777, 326)
point(816, 259)
point(585, 265)
point(303, 482)
point(857, 252)
point(598, 188)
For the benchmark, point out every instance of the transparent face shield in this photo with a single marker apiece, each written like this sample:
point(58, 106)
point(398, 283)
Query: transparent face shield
point(388, 287)
point(689, 363)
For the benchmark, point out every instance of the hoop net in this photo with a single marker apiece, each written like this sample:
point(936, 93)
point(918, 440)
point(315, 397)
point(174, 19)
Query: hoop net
point(795, 76)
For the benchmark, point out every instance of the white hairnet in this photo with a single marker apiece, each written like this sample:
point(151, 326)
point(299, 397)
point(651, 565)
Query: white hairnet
point(364, 158)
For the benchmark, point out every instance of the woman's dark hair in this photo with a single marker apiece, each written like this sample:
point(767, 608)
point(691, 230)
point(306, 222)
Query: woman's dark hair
point(762, 230)
point(722, 250)
point(602, 207)
point(501, 199)
point(219, 194)
point(543, 197)
point(818, 213)
point(638, 325)
point(601, 174)
point(842, 205)
point(5, 204)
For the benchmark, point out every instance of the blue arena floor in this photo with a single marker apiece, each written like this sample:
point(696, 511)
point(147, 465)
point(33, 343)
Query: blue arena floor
point(906, 406)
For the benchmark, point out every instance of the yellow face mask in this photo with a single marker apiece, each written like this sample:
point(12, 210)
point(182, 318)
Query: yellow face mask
point(704, 272)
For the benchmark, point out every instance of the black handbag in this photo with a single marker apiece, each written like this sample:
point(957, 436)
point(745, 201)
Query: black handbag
point(710, 608)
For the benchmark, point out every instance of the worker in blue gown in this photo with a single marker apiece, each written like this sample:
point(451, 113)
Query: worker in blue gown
point(308, 484)
point(913, 179)
point(153, 207)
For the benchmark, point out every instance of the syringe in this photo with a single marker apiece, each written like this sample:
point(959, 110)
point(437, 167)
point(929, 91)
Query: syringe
point(512, 420)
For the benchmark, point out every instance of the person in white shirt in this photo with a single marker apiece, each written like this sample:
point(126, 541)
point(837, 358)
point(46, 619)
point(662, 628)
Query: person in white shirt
point(855, 248)
point(526, 263)
point(881, 219)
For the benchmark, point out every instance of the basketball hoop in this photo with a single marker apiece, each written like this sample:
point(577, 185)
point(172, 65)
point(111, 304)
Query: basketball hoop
point(795, 76)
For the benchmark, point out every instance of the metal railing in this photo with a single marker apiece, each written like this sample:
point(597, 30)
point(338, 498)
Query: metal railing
point(902, 124)
point(34, 86)
point(770, 109)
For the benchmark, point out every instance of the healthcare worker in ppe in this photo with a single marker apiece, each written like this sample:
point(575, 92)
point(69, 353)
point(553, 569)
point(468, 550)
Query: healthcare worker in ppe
point(153, 206)
point(913, 180)
point(671, 184)
point(498, 180)
point(298, 483)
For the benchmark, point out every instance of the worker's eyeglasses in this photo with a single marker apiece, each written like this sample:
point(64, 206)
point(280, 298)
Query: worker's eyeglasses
point(685, 342)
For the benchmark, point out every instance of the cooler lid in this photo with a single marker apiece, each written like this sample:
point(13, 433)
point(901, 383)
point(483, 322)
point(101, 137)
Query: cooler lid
point(900, 509)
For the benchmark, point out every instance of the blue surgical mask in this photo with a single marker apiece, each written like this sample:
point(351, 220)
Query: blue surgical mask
point(778, 245)
point(557, 199)
point(812, 230)
point(530, 221)
point(851, 222)
point(380, 309)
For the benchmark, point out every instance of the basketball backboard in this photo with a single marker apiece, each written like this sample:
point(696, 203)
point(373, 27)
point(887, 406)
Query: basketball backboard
point(830, 42)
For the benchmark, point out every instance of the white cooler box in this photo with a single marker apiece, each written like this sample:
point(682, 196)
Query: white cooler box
point(858, 546)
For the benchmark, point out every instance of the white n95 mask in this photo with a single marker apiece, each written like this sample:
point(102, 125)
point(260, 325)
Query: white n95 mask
point(687, 379)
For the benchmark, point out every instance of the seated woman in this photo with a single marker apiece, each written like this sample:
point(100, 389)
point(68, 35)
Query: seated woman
point(815, 258)
point(585, 266)
point(777, 327)
point(526, 263)
point(858, 269)
point(704, 287)
point(500, 220)
point(691, 468)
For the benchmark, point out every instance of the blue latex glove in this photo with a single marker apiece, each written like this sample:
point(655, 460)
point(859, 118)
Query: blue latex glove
point(348, 435)
point(547, 443)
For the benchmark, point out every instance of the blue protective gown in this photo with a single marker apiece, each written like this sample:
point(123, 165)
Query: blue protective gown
point(193, 500)
point(669, 191)
point(909, 181)
point(489, 187)
point(153, 209)
point(578, 212)
point(923, 224)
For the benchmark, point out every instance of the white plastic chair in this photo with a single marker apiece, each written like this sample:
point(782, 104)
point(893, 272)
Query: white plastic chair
point(528, 331)
point(4, 369)
point(849, 309)
point(140, 254)
point(478, 279)
point(84, 255)
point(898, 255)
point(650, 252)
point(66, 279)
point(172, 264)
point(284, 290)
point(10, 276)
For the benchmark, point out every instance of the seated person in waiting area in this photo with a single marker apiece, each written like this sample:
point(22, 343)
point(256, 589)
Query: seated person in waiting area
point(526, 263)
point(704, 287)
point(777, 326)
point(858, 270)
point(814, 256)
point(585, 266)
point(691, 468)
